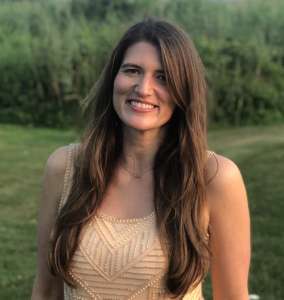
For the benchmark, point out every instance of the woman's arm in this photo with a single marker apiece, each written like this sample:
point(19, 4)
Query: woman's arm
point(47, 286)
point(229, 227)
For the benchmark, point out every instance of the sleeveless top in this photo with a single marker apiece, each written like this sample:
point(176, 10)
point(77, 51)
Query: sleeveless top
point(117, 258)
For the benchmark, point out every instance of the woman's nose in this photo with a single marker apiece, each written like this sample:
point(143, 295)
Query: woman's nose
point(144, 87)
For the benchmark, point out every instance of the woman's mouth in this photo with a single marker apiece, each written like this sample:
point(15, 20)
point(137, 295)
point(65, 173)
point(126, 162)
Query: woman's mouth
point(141, 106)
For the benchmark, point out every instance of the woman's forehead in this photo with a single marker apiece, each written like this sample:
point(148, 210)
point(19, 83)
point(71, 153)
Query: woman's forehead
point(143, 54)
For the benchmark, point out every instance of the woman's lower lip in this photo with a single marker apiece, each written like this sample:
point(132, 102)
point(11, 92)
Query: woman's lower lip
point(141, 109)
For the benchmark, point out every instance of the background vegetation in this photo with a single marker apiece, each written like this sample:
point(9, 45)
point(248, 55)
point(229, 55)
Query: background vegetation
point(53, 51)
point(257, 150)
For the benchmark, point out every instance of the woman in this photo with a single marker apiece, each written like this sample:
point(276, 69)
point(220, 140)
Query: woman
point(144, 208)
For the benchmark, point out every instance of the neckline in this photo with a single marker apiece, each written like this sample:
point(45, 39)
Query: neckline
point(114, 219)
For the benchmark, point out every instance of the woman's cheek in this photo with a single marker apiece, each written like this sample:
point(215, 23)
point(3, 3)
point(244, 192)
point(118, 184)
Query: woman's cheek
point(122, 84)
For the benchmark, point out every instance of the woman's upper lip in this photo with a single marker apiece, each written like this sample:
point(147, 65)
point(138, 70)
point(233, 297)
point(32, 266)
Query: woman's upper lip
point(142, 101)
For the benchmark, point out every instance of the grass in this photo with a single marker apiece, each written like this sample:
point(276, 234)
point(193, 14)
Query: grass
point(259, 152)
point(23, 153)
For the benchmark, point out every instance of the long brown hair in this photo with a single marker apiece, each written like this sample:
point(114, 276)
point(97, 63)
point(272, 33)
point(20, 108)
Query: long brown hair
point(179, 166)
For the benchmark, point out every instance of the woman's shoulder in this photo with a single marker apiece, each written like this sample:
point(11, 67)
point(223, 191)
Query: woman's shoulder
point(56, 168)
point(220, 170)
point(225, 185)
point(58, 159)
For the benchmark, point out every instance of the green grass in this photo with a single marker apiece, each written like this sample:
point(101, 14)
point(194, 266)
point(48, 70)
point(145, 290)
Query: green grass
point(23, 153)
point(259, 152)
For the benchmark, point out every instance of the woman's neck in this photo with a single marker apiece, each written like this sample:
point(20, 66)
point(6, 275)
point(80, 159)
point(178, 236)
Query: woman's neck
point(139, 150)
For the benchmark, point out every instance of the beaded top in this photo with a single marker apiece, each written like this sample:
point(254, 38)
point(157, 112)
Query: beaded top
point(123, 220)
point(118, 259)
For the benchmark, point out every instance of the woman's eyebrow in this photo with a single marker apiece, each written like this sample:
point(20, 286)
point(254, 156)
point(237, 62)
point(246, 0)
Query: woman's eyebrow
point(129, 65)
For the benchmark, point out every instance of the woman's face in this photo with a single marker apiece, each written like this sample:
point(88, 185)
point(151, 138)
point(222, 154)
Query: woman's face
point(140, 94)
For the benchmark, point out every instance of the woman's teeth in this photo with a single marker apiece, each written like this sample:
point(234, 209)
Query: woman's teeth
point(141, 105)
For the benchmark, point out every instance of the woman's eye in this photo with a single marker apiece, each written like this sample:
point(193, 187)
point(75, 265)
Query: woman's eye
point(131, 71)
point(161, 78)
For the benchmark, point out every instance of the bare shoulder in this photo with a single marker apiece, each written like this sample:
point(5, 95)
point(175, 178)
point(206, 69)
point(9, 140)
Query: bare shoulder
point(223, 179)
point(54, 172)
point(225, 189)
point(221, 171)
point(229, 228)
point(226, 193)
point(56, 162)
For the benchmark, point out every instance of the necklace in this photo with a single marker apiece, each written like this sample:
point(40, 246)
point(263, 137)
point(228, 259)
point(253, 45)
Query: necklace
point(136, 175)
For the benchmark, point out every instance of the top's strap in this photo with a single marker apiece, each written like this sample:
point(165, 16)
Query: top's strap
point(210, 153)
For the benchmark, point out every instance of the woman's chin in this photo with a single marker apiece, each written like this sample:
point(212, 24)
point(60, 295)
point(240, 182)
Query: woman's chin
point(140, 126)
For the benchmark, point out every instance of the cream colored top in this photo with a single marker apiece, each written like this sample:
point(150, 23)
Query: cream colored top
point(117, 259)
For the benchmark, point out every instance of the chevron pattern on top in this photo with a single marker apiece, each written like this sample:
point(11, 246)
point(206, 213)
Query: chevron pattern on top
point(119, 259)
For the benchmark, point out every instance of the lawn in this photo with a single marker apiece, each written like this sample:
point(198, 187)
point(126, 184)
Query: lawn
point(259, 152)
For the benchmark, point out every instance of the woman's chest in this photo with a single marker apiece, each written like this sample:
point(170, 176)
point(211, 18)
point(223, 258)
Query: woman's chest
point(119, 259)
point(126, 197)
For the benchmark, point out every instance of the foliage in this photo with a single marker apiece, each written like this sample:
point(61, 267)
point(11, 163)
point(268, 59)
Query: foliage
point(52, 52)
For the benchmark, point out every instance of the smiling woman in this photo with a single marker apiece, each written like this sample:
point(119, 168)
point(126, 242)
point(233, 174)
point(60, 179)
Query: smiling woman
point(141, 208)
point(140, 93)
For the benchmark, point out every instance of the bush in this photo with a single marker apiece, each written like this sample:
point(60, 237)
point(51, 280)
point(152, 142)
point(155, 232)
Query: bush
point(52, 53)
